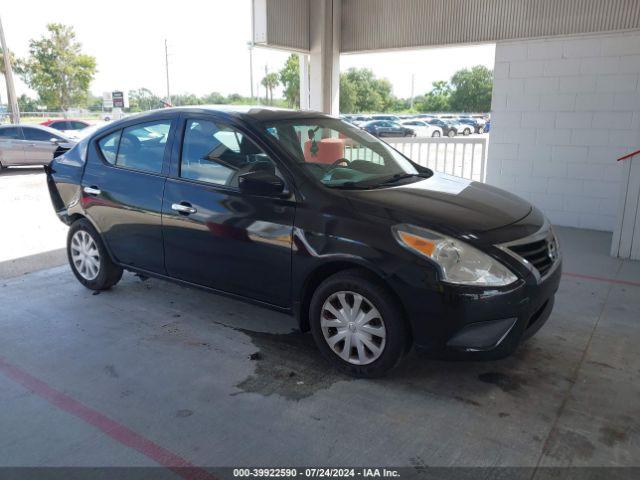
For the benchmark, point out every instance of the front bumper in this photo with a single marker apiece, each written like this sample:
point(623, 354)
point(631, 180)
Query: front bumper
point(476, 319)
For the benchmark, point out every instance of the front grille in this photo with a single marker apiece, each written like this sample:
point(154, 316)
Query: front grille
point(536, 253)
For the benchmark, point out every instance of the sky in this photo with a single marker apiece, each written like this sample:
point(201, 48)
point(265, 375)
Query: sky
point(207, 46)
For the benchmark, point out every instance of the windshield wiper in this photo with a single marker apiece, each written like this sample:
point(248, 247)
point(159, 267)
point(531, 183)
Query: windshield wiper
point(373, 183)
point(350, 186)
point(401, 176)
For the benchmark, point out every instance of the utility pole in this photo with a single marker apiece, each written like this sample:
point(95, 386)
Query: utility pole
point(250, 45)
point(166, 67)
point(8, 75)
point(413, 81)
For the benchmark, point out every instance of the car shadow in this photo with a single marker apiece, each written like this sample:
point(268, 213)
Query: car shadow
point(18, 171)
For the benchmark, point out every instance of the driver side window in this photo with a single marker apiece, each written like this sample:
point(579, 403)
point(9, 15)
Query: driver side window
point(216, 153)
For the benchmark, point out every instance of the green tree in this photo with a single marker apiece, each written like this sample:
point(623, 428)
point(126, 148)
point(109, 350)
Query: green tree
point(472, 89)
point(214, 98)
point(186, 99)
point(437, 100)
point(57, 69)
point(290, 79)
point(13, 64)
point(12, 58)
point(269, 82)
point(143, 99)
point(27, 104)
point(361, 91)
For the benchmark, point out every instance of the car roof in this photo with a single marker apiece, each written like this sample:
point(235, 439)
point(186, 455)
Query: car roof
point(52, 120)
point(37, 126)
point(245, 112)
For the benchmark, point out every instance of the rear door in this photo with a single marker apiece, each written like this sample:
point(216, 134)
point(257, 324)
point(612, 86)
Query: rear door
point(38, 147)
point(11, 146)
point(216, 236)
point(122, 190)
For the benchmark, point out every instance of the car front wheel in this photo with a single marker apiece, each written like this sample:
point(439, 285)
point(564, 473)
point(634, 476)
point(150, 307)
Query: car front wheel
point(89, 259)
point(435, 134)
point(358, 325)
point(451, 133)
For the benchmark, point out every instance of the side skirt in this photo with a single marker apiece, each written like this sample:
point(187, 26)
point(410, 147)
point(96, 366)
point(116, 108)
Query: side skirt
point(235, 296)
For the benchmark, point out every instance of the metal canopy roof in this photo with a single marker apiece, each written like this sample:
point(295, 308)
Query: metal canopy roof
point(371, 25)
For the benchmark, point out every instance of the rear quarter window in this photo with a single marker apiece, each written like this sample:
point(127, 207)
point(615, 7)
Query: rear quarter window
point(109, 146)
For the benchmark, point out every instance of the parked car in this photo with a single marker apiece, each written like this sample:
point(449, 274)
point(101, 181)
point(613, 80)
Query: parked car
point(469, 126)
point(389, 118)
point(31, 145)
point(385, 128)
point(372, 254)
point(360, 119)
point(422, 128)
point(449, 129)
point(68, 126)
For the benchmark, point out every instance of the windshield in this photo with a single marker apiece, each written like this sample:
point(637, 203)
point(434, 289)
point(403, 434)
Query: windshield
point(341, 155)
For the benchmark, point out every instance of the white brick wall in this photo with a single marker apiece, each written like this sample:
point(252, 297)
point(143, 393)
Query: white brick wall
point(563, 110)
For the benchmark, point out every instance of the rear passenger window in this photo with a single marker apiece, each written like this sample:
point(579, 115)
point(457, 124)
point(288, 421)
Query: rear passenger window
point(142, 146)
point(109, 146)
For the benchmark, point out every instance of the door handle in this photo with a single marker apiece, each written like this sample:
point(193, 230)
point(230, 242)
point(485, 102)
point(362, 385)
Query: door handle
point(183, 207)
point(92, 190)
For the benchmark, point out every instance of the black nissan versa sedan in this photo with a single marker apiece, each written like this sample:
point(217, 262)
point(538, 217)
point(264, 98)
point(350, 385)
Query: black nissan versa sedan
point(307, 214)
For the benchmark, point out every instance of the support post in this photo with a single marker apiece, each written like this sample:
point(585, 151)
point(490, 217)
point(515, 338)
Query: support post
point(324, 25)
point(304, 81)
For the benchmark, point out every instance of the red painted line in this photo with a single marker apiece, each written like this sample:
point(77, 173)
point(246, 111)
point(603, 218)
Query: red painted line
point(601, 279)
point(108, 426)
point(629, 155)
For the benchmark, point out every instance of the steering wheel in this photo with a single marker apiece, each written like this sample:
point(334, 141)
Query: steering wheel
point(339, 161)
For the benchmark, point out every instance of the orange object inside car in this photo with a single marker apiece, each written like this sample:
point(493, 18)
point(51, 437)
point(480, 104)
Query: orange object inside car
point(328, 150)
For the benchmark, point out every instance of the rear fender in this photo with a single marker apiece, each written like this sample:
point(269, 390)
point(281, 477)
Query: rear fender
point(64, 176)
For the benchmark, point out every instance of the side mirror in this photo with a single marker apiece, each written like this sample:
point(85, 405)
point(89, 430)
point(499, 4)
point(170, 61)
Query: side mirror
point(261, 183)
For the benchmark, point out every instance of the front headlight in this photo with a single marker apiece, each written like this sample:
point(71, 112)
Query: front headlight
point(458, 261)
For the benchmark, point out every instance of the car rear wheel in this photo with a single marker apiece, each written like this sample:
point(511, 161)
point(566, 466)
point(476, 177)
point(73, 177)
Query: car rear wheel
point(358, 325)
point(435, 134)
point(451, 133)
point(89, 259)
point(466, 132)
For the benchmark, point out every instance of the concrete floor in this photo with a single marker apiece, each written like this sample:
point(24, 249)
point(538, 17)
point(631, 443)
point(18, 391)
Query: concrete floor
point(152, 373)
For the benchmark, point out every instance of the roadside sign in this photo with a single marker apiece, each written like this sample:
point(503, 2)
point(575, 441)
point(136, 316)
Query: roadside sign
point(107, 101)
point(118, 99)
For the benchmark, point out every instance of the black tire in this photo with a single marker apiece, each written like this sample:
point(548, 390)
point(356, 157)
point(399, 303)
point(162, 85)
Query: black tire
point(451, 133)
point(108, 272)
point(435, 134)
point(398, 338)
point(466, 131)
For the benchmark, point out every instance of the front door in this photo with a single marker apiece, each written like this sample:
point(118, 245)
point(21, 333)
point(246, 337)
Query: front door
point(122, 191)
point(216, 236)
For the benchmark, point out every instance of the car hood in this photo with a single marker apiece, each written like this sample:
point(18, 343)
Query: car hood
point(445, 203)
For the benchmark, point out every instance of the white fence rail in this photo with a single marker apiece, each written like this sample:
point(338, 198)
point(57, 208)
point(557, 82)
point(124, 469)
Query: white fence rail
point(462, 157)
